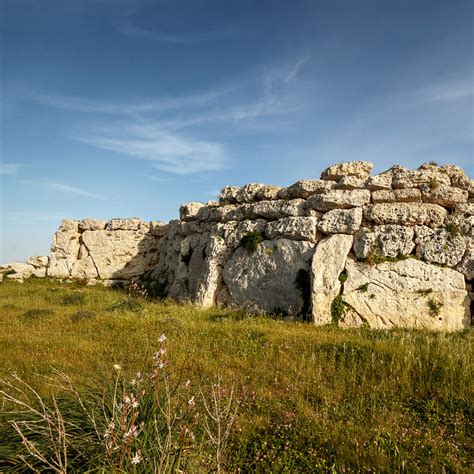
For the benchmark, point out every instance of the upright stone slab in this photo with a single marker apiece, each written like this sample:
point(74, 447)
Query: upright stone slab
point(328, 262)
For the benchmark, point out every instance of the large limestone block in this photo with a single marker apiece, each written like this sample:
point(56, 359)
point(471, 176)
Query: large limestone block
point(268, 193)
point(249, 192)
point(407, 293)
point(466, 265)
point(379, 182)
point(389, 240)
point(397, 195)
point(341, 221)
point(210, 280)
point(294, 228)
point(328, 262)
point(352, 182)
point(265, 280)
point(84, 269)
point(439, 245)
point(360, 169)
point(189, 210)
point(306, 187)
point(229, 194)
point(20, 270)
point(406, 213)
point(339, 199)
point(444, 195)
point(233, 231)
point(91, 224)
point(124, 224)
point(64, 249)
point(121, 254)
point(38, 261)
point(457, 176)
point(404, 178)
point(273, 210)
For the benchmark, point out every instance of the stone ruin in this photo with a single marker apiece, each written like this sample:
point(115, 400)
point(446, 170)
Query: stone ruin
point(393, 249)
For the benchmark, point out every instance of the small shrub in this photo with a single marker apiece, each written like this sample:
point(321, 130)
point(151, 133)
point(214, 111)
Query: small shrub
point(373, 259)
point(251, 241)
point(37, 313)
point(435, 307)
point(453, 230)
point(73, 299)
point(364, 287)
point(433, 163)
point(337, 309)
point(343, 277)
point(126, 305)
point(425, 292)
point(269, 251)
point(82, 316)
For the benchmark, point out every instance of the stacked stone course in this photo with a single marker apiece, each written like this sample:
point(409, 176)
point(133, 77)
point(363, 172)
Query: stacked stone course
point(404, 240)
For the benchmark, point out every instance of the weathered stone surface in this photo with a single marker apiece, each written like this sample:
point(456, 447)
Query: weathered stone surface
point(210, 280)
point(91, 224)
point(120, 254)
point(406, 213)
point(466, 265)
point(273, 210)
point(352, 182)
point(264, 281)
point(233, 232)
point(328, 262)
point(399, 294)
point(339, 199)
point(189, 211)
point(307, 187)
point(229, 194)
point(64, 249)
point(361, 169)
point(457, 176)
point(268, 193)
point(249, 192)
point(439, 246)
point(341, 221)
point(389, 240)
point(397, 195)
point(84, 269)
point(158, 228)
point(294, 228)
point(444, 195)
point(124, 224)
point(431, 175)
point(38, 261)
point(379, 182)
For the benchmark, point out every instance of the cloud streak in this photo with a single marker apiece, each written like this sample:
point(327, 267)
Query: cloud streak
point(8, 168)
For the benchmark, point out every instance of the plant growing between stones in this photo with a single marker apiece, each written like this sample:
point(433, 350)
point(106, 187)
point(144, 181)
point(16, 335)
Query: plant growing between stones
point(435, 307)
point(251, 241)
point(425, 292)
point(337, 309)
point(364, 288)
point(453, 230)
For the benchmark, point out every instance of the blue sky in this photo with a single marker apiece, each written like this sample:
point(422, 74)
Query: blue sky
point(129, 108)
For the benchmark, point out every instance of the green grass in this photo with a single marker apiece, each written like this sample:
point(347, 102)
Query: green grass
point(311, 399)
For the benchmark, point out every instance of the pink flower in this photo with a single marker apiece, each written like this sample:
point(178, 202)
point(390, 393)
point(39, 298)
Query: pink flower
point(191, 402)
point(137, 457)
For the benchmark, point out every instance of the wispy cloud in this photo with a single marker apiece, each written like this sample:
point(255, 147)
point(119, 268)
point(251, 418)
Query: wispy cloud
point(67, 189)
point(64, 188)
point(170, 152)
point(447, 92)
point(181, 38)
point(8, 168)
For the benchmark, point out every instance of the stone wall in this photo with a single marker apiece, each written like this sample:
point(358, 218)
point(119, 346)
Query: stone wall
point(394, 249)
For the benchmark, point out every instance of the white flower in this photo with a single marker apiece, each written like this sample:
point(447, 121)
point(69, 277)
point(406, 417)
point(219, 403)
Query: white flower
point(137, 457)
point(138, 375)
point(135, 404)
point(117, 367)
point(162, 338)
point(187, 384)
point(162, 364)
point(191, 402)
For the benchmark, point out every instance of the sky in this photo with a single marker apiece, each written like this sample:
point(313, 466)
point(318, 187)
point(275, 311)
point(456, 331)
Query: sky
point(115, 108)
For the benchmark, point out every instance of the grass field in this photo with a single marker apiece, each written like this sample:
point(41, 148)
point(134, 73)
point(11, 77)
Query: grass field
point(244, 393)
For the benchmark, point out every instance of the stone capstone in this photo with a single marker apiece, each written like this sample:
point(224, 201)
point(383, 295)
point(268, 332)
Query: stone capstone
point(360, 169)
point(306, 187)
point(444, 195)
point(189, 211)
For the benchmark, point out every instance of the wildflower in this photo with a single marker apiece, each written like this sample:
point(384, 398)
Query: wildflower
point(187, 384)
point(131, 433)
point(138, 375)
point(161, 364)
point(110, 429)
point(137, 457)
point(162, 339)
point(191, 402)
